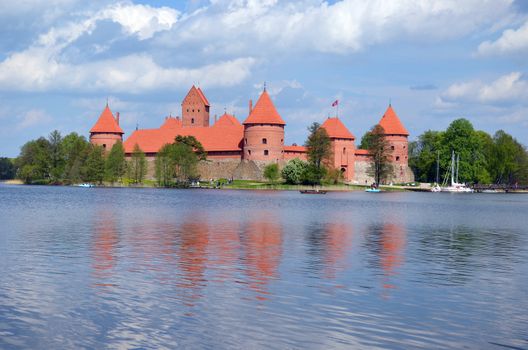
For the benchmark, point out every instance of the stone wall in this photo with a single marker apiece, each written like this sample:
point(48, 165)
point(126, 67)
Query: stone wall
point(361, 176)
point(218, 168)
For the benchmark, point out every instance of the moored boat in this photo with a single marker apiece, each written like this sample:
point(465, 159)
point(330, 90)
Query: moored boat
point(312, 192)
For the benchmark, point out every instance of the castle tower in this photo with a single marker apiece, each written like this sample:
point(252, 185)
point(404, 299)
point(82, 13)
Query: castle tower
point(106, 132)
point(195, 108)
point(397, 137)
point(264, 132)
point(342, 145)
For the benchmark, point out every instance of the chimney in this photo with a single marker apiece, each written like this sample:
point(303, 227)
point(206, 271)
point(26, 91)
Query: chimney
point(117, 118)
point(250, 106)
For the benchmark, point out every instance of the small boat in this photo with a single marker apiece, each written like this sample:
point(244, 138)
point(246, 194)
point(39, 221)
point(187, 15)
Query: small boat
point(455, 187)
point(373, 190)
point(436, 188)
point(312, 192)
point(85, 185)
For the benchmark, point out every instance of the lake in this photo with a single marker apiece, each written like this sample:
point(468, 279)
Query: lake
point(147, 268)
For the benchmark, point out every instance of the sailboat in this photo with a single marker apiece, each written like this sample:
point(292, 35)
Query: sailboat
point(455, 185)
point(436, 187)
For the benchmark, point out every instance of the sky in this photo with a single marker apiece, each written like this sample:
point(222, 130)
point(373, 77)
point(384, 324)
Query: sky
point(433, 60)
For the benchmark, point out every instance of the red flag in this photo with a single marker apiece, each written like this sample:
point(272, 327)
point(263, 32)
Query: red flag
point(336, 102)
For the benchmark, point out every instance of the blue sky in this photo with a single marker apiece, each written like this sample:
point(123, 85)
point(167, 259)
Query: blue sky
point(435, 60)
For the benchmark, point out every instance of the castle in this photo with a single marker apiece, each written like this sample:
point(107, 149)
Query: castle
point(240, 151)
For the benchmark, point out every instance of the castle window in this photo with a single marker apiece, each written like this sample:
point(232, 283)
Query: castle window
point(249, 151)
point(198, 111)
point(245, 141)
point(344, 150)
point(392, 148)
point(104, 145)
point(266, 152)
point(403, 147)
point(282, 141)
point(397, 158)
point(193, 110)
point(187, 109)
point(192, 120)
point(265, 141)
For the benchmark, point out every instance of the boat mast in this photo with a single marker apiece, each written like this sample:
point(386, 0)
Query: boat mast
point(437, 165)
point(458, 162)
point(453, 168)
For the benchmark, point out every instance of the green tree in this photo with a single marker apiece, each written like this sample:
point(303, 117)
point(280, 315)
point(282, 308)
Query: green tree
point(293, 172)
point(7, 169)
point(194, 144)
point(115, 163)
point(423, 155)
point(137, 166)
point(380, 167)
point(56, 155)
point(34, 161)
point(509, 160)
point(165, 166)
point(272, 173)
point(333, 176)
point(318, 147)
point(75, 149)
point(365, 141)
point(185, 161)
point(94, 167)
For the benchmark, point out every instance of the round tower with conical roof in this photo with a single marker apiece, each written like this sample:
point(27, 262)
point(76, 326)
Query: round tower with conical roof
point(397, 137)
point(263, 132)
point(106, 131)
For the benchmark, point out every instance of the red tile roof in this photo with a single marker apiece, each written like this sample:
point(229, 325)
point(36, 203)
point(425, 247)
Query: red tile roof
point(107, 123)
point(336, 129)
point(171, 123)
point(227, 120)
point(392, 124)
point(202, 95)
point(300, 149)
point(211, 138)
point(364, 152)
point(264, 112)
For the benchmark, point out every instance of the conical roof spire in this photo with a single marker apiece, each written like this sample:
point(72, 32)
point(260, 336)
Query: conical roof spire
point(107, 123)
point(392, 124)
point(264, 112)
point(336, 129)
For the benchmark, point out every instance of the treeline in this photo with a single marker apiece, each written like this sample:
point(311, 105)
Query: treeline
point(72, 159)
point(484, 159)
point(7, 168)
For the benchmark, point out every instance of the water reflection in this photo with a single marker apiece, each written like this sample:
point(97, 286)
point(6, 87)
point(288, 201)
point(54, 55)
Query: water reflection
point(328, 247)
point(105, 239)
point(387, 242)
point(262, 251)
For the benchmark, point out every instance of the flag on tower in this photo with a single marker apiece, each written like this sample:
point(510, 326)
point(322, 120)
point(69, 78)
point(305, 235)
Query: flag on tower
point(336, 102)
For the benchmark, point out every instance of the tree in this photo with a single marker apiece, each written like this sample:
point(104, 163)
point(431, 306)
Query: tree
point(34, 162)
point(194, 144)
point(137, 167)
point(318, 150)
point(380, 167)
point(94, 166)
point(293, 172)
point(164, 166)
point(7, 169)
point(271, 172)
point(56, 156)
point(185, 162)
point(423, 155)
point(365, 140)
point(115, 163)
point(509, 160)
point(333, 176)
point(75, 149)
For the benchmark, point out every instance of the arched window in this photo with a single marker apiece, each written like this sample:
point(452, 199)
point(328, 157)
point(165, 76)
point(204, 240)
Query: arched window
point(392, 148)
point(104, 145)
point(397, 158)
point(192, 120)
point(344, 150)
point(249, 151)
point(265, 141)
point(266, 152)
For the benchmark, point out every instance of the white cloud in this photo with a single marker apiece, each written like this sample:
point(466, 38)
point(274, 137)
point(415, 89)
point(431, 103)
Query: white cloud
point(342, 27)
point(511, 41)
point(32, 118)
point(512, 87)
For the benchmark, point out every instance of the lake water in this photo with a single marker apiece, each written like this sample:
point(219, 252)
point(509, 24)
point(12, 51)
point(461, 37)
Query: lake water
point(146, 268)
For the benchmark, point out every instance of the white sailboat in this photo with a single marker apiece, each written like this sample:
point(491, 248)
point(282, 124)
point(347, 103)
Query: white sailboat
point(455, 185)
point(436, 187)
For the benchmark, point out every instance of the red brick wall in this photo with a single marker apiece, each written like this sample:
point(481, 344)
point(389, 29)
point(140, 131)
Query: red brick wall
point(194, 111)
point(343, 157)
point(105, 140)
point(254, 147)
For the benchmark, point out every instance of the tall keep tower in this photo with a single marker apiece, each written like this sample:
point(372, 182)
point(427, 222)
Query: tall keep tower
point(264, 132)
point(106, 131)
point(397, 137)
point(195, 108)
point(342, 144)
